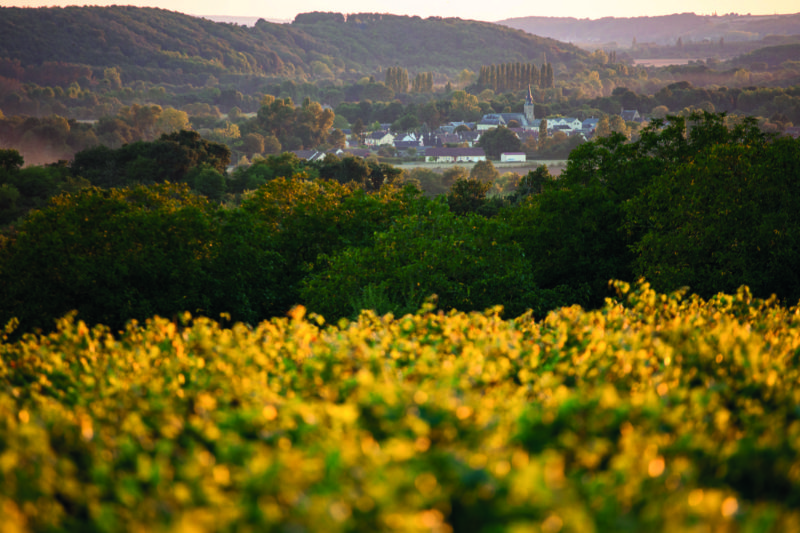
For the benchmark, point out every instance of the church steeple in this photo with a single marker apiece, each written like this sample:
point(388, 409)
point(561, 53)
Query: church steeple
point(528, 107)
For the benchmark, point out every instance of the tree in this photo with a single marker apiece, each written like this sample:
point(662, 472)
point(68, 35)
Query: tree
point(122, 254)
point(142, 119)
point(263, 170)
point(547, 78)
point(534, 181)
point(207, 181)
point(272, 145)
point(467, 196)
point(10, 160)
point(337, 139)
point(358, 130)
point(423, 82)
point(169, 158)
point(530, 145)
point(468, 262)
point(397, 79)
point(427, 180)
point(618, 125)
point(484, 172)
point(603, 128)
point(171, 120)
point(660, 112)
point(311, 220)
point(407, 122)
point(345, 170)
point(382, 174)
point(453, 174)
point(295, 127)
point(543, 131)
point(253, 143)
point(499, 140)
point(464, 106)
point(465, 78)
point(723, 214)
point(387, 150)
point(569, 236)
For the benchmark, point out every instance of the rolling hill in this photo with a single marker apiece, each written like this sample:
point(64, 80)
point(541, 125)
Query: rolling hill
point(148, 43)
point(663, 30)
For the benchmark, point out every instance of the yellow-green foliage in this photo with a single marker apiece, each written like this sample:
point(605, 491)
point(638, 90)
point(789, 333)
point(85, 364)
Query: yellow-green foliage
point(660, 413)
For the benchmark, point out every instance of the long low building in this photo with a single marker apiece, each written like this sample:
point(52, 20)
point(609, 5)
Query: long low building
point(454, 155)
point(508, 157)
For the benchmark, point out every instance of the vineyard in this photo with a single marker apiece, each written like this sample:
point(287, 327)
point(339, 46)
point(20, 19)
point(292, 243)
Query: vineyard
point(654, 413)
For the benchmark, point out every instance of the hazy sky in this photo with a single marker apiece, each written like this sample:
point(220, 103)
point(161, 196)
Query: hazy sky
point(478, 10)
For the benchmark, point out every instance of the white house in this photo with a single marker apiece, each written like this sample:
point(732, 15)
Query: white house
point(379, 138)
point(454, 155)
point(567, 124)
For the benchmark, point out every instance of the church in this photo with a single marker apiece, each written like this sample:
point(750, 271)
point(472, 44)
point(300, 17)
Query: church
point(525, 120)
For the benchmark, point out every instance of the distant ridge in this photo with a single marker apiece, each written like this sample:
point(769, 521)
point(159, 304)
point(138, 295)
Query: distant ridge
point(242, 21)
point(660, 30)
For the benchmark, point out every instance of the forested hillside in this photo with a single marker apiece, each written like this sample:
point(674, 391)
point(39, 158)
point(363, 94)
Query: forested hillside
point(160, 45)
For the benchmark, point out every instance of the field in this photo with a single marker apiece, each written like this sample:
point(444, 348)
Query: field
point(662, 62)
point(522, 168)
point(654, 413)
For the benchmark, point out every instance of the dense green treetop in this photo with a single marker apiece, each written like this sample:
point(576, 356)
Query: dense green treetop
point(498, 140)
point(722, 213)
point(120, 254)
point(170, 158)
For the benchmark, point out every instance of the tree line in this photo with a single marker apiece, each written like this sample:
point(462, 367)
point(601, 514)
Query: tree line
point(514, 77)
point(692, 203)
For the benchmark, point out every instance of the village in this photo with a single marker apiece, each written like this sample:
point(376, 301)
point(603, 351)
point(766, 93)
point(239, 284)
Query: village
point(458, 142)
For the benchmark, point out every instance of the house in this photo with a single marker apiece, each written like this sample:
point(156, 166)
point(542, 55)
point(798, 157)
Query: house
point(590, 124)
point(525, 134)
point(630, 115)
point(565, 124)
point(451, 127)
point(379, 138)
point(454, 155)
point(508, 157)
point(469, 137)
point(493, 120)
point(489, 122)
point(407, 137)
point(309, 155)
point(403, 146)
point(447, 138)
